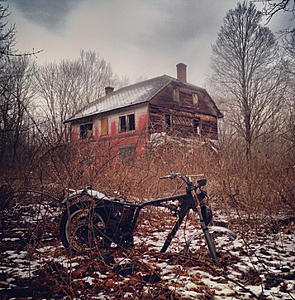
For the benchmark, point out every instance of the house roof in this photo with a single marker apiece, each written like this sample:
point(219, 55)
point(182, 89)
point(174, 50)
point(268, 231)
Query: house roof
point(133, 94)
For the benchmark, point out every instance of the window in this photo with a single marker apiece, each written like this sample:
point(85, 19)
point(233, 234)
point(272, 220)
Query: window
point(127, 154)
point(168, 121)
point(86, 131)
point(123, 125)
point(131, 122)
point(196, 124)
point(127, 123)
point(176, 94)
point(104, 127)
point(195, 98)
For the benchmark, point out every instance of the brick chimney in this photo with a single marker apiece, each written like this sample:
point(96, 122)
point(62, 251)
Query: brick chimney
point(181, 72)
point(108, 90)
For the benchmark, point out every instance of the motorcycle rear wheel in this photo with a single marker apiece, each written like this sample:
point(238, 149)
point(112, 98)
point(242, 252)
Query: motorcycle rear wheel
point(82, 227)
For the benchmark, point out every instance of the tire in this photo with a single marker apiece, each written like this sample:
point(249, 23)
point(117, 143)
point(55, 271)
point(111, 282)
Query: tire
point(210, 244)
point(84, 228)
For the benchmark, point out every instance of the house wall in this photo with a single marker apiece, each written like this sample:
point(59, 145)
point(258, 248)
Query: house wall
point(131, 138)
point(177, 102)
point(190, 112)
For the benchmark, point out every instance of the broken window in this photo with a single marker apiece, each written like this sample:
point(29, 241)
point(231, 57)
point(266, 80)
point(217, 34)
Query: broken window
point(176, 94)
point(123, 126)
point(86, 131)
point(104, 127)
point(127, 123)
point(131, 122)
point(196, 124)
point(195, 98)
point(127, 154)
point(168, 121)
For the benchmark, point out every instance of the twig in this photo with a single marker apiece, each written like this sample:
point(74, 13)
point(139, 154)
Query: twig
point(223, 275)
point(19, 192)
point(228, 278)
point(21, 54)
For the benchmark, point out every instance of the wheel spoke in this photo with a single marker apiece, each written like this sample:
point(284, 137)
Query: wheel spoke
point(85, 229)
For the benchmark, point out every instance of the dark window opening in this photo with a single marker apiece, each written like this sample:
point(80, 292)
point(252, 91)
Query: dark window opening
point(127, 154)
point(127, 123)
point(168, 121)
point(176, 94)
point(123, 126)
point(131, 122)
point(86, 131)
point(196, 124)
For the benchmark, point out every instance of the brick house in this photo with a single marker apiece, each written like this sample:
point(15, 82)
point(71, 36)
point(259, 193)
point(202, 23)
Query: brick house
point(129, 116)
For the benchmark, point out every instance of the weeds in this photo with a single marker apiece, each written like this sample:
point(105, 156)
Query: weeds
point(256, 198)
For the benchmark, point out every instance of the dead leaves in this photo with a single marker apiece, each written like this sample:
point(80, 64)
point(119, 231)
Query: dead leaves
point(43, 269)
point(251, 277)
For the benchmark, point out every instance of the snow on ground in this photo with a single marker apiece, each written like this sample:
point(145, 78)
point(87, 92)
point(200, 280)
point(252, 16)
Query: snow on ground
point(34, 264)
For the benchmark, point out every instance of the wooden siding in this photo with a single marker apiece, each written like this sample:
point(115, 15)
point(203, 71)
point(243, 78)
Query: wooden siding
point(179, 105)
point(177, 110)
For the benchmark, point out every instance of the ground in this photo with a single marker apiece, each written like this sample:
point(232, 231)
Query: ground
point(259, 263)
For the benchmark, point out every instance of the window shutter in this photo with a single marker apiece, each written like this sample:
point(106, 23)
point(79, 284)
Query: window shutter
point(104, 127)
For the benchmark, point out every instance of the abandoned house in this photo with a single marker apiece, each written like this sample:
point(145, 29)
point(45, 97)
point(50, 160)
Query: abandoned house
point(130, 116)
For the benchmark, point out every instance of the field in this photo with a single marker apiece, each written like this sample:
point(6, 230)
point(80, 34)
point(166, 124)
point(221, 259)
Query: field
point(259, 263)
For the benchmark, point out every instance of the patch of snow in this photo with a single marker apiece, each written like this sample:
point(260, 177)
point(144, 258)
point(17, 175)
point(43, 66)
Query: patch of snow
point(89, 279)
point(45, 249)
point(10, 239)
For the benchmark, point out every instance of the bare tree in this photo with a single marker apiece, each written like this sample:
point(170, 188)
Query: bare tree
point(6, 33)
point(14, 92)
point(58, 88)
point(246, 65)
point(66, 87)
point(15, 100)
point(289, 132)
point(272, 7)
point(95, 75)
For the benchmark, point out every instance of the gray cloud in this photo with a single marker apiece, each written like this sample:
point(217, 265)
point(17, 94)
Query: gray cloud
point(182, 22)
point(140, 38)
point(50, 14)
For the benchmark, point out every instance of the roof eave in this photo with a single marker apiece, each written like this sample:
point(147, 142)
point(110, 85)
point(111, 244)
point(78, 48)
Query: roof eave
point(105, 112)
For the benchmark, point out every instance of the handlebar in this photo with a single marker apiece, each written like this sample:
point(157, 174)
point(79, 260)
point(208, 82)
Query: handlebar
point(186, 178)
point(180, 175)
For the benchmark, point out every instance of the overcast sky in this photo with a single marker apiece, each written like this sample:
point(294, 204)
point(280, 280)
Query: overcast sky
point(140, 38)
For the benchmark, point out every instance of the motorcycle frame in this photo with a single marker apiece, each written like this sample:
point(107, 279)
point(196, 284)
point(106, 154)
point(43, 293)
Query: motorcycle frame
point(187, 201)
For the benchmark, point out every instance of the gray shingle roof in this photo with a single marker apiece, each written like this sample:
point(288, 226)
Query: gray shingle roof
point(133, 94)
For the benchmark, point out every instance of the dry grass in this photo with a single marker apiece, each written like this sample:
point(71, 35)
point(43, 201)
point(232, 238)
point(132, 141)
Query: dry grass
point(259, 193)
